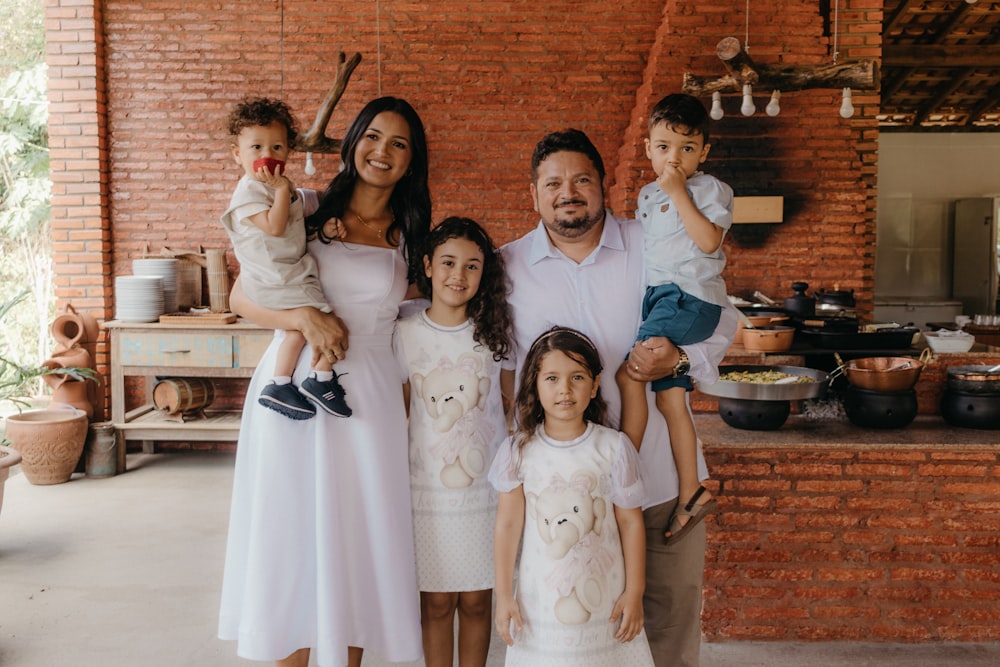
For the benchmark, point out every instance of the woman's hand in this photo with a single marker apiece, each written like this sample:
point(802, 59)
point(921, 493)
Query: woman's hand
point(325, 332)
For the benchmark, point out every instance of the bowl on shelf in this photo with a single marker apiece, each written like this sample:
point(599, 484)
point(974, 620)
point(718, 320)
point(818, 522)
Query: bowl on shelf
point(949, 341)
point(772, 338)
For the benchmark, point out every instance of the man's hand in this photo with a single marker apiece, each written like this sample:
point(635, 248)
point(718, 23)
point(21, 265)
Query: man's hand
point(652, 359)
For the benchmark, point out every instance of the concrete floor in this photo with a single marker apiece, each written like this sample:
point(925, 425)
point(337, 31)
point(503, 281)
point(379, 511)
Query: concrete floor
point(126, 571)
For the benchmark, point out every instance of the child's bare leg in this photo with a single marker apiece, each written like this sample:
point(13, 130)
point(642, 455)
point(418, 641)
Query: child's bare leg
point(672, 403)
point(635, 411)
point(437, 627)
point(288, 354)
point(474, 627)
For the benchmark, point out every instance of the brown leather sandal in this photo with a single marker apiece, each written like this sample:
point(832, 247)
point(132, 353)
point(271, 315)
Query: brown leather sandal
point(696, 514)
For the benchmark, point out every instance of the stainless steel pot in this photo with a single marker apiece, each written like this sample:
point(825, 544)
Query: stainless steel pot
point(979, 379)
point(769, 392)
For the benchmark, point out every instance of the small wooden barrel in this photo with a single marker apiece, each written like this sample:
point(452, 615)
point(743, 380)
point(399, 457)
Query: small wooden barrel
point(183, 395)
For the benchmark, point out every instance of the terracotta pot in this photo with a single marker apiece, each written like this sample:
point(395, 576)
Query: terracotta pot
point(50, 442)
point(70, 328)
point(768, 339)
point(8, 459)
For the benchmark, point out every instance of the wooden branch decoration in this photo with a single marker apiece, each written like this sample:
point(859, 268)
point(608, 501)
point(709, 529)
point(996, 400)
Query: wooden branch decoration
point(315, 139)
point(857, 74)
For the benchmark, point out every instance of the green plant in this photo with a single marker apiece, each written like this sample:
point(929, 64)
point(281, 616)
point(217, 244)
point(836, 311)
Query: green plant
point(16, 379)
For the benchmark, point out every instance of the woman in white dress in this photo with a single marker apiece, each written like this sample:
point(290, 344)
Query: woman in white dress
point(320, 550)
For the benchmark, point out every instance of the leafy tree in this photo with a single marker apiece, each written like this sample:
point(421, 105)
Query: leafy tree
point(25, 238)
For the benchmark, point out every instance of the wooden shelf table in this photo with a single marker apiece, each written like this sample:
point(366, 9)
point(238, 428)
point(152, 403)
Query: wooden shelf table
point(178, 350)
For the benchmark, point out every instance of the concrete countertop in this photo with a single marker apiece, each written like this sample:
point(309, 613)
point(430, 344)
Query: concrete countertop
point(799, 431)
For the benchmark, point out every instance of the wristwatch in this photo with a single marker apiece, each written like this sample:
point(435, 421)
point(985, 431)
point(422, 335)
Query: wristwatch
point(683, 364)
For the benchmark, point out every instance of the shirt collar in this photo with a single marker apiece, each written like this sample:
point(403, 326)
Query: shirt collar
point(542, 246)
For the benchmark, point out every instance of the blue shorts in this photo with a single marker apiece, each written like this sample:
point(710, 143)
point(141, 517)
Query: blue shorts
point(672, 313)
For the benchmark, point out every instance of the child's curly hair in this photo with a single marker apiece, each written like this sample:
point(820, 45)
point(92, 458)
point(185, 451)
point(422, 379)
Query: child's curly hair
point(488, 309)
point(261, 111)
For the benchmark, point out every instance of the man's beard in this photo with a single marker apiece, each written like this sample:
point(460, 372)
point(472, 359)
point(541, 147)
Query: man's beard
point(576, 226)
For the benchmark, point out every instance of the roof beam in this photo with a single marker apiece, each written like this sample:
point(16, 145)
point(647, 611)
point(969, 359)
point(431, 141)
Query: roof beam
point(936, 55)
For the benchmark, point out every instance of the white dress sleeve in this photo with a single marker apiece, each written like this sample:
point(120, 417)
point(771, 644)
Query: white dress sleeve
point(504, 474)
point(627, 488)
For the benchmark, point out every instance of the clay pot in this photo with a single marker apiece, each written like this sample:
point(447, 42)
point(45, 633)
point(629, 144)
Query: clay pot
point(66, 390)
point(70, 328)
point(768, 339)
point(50, 442)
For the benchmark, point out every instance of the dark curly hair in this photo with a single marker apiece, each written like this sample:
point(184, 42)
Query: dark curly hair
point(574, 345)
point(261, 112)
point(411, 198)
point(488, 309)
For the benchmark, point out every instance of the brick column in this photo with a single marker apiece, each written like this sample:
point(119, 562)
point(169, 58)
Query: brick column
point(78, 137)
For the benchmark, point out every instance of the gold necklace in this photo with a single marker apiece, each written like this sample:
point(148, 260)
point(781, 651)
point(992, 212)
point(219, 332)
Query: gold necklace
point(378, 232)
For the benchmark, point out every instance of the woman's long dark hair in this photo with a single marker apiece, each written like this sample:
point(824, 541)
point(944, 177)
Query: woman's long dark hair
point(411, 198)
point(574, 345)
point(488, 309)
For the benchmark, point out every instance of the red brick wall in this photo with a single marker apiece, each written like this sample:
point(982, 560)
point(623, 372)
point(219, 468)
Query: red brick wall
point(139, 93)
point(889, 544)
point(823, 165)
point(78, 157)
point(834, 545)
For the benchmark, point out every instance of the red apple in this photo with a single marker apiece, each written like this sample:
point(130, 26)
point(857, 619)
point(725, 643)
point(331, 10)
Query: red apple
point(273, 166)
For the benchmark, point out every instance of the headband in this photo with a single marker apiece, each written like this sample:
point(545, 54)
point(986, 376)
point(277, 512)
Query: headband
point(558, 330)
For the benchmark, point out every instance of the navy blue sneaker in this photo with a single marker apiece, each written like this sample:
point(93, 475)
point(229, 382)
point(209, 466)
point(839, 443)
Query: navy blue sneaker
point(327, 394)
point(287, 400)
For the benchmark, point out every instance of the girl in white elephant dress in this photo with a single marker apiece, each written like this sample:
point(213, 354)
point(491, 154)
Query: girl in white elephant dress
point(571, 495)
point(451, 356)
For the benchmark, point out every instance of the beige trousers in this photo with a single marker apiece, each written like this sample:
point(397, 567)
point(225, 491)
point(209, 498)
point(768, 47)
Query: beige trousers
point(672, 601)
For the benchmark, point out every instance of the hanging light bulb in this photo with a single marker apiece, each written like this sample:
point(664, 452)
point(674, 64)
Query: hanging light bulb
point(310, 167)
point(747, 109)
point(716, 112)
point(773, 108)
point(846, 108)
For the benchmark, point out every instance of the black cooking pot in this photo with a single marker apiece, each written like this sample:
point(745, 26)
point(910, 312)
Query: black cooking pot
point(967, 410)
point(754, 415)
point(880, 409)
point(800, 303)
point(835, 297)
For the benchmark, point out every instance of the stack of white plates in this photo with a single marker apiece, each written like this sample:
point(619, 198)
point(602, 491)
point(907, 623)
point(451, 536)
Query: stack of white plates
point(165, 268)
point(138, 298)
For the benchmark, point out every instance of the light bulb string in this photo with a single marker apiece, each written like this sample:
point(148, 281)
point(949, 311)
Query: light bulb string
point(746, 33)
point(836, 28)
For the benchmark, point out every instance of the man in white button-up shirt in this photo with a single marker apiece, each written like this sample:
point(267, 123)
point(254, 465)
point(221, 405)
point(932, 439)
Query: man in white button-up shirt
point(583, 268)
